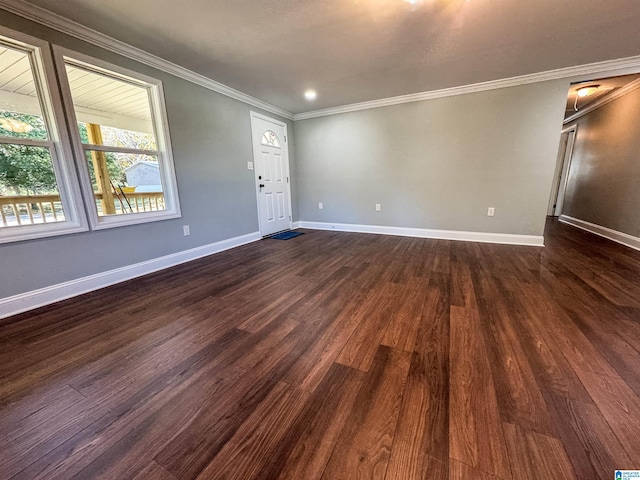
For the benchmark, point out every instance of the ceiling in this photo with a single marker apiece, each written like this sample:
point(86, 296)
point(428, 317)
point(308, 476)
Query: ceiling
point(110, 102)
point(359, 50)
point(97, 98)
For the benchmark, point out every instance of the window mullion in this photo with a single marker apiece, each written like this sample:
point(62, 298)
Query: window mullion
point(106, 148)
point(27, 142)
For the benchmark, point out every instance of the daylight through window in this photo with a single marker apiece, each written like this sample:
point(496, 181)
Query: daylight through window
point(127, 162)
point(116, 129)
point(35, 187)
point(123, 163)
point(28, 186)
point(270, 139)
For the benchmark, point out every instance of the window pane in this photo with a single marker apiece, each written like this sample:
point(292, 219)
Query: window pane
point(270, 139)
point(117, 137)
point(111, 112)
point(125, 183)
point(28, 188)
point(20, 111)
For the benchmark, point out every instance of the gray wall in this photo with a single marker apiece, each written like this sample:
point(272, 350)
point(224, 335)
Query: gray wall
point(211, 136)
point(604, 178)
point(436, 164)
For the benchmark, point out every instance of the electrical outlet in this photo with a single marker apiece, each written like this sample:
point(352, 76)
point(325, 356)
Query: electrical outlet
point(186, 230)
point(320, 206)
point(249, 165)
point(491, 211)
point(378, 207)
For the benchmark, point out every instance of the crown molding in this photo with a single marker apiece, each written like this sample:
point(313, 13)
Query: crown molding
point(608, 66)
point(630, 87)
point(64, 25)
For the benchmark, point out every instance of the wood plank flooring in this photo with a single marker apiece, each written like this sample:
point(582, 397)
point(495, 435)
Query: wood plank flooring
point(337, 356)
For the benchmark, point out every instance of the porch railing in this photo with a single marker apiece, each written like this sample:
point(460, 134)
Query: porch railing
point(36, 209)
point(135, 202)
point(30, 209)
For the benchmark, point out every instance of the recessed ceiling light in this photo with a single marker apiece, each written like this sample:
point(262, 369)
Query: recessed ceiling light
point(310, 95)
point(587, 90)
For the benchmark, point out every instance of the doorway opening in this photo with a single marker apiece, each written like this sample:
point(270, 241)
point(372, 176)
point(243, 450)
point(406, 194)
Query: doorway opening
point(597, 168)
point(567, 141)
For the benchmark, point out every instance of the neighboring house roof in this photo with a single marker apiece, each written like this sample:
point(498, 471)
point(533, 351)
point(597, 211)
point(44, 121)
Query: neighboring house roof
point(151, 164)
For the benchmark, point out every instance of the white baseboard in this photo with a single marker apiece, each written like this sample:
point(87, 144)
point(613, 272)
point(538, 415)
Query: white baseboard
point(54, 293)
point(503, 238)
point(613, 235)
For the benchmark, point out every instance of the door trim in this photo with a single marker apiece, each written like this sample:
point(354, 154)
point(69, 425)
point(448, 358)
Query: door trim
point(258, 116)
point(566, 166)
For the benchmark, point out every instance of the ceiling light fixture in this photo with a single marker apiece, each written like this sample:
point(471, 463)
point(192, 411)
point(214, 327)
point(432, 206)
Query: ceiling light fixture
point(582, 92)
point(587, 90)
point(310, 95)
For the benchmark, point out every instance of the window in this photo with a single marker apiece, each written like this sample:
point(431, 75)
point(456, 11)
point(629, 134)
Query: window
point(114, 121)
point(270, 139)
point(38, 190)
point(122, 137)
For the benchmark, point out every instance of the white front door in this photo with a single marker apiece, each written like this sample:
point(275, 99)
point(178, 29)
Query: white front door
point(271, 164)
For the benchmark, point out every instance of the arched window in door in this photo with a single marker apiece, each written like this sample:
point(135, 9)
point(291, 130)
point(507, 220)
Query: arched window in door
point(270, 139)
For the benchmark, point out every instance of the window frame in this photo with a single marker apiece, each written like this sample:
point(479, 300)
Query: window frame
point(62, 57)
point(62, 159)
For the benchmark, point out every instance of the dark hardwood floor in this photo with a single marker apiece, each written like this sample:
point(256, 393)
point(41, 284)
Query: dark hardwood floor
point(337, 356)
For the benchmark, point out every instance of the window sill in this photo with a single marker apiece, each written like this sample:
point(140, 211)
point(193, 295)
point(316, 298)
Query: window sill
point(32, 232)
point(114, 221)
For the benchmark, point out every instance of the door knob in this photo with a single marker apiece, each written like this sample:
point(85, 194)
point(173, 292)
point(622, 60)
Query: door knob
point(261, 185)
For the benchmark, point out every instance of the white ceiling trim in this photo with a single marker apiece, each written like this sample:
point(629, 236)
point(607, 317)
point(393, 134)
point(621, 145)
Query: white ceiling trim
point(630, 87)
point(608, 66)
point(64, 25)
